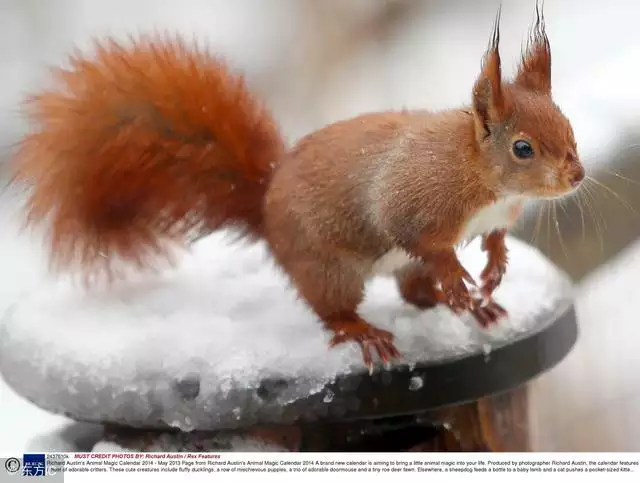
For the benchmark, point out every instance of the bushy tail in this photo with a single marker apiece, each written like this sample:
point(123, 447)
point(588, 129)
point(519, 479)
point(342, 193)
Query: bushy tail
point(142, 148)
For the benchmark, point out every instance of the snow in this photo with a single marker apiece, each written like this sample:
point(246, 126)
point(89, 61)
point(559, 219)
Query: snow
point(178, 348)
point(69, 437)
point(416, 383)
point(22, 272)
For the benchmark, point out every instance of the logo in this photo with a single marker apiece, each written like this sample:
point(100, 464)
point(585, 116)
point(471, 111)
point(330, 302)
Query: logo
point(12, 465)
point(34, 465)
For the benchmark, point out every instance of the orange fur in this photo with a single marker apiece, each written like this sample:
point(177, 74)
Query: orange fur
point(143, 147)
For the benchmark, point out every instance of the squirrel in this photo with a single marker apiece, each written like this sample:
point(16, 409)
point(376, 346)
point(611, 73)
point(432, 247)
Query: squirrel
point(145, 147)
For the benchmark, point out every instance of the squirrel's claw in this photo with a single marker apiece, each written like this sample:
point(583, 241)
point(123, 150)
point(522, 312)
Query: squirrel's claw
point(370, 339)
point(457, 296)
point(488, 313)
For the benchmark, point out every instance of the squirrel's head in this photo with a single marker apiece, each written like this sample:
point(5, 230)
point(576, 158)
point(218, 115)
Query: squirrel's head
point(519, 129)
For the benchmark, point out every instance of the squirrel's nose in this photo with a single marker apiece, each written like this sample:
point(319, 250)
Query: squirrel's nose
point(577, 175)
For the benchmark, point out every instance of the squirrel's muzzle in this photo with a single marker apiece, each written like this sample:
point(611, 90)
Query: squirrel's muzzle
point(577, 175)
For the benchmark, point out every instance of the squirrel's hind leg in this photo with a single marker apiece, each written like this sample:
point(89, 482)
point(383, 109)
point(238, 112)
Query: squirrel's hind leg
point(333, 286)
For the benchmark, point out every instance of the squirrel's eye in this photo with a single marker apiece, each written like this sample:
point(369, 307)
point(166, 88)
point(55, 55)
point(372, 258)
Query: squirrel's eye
point(522, 149)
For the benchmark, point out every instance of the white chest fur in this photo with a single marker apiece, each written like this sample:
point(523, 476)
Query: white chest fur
point(393, 260)
point(493, 217)
point(496, 216)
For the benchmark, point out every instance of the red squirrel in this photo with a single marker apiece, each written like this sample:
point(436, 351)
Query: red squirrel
point(145, 146)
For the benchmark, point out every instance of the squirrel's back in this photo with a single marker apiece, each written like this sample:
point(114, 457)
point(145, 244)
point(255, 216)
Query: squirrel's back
point(357, 182)
point(143, 147)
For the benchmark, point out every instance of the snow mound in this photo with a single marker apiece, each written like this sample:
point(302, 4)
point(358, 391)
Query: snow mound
point(181, 348)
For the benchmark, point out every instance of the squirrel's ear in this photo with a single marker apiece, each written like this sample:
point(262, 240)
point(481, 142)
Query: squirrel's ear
point(534, 73)
point(489, 102)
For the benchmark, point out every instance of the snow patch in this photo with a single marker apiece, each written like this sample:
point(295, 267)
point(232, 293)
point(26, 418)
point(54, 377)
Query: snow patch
point(174, 348)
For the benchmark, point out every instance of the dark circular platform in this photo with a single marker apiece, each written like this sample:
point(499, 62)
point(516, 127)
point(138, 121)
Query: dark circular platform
point(178, 352)
point(424, 387)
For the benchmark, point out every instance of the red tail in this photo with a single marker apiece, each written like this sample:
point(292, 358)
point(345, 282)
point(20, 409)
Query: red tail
point(140, 149)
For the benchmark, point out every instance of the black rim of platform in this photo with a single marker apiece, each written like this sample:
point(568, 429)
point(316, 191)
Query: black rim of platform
point(396, 392)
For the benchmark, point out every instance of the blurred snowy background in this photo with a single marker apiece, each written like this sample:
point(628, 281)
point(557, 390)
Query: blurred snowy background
point(318, 61)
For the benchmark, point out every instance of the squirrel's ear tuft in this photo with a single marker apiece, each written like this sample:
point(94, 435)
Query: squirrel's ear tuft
point(489, 102)
point(534, 73)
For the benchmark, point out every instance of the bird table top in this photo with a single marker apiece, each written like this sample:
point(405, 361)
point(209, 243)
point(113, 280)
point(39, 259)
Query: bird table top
point(221, 341)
